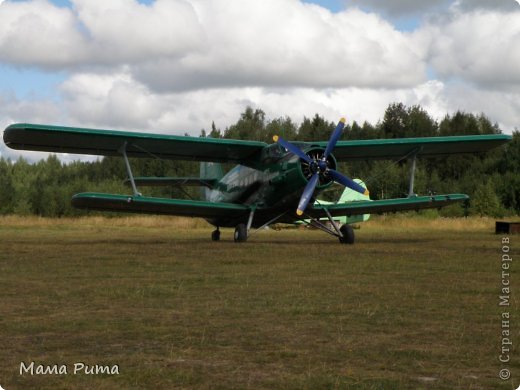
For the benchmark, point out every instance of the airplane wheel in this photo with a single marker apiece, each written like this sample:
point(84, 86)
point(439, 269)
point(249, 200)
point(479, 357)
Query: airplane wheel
point(215, 235)
point(240, 233)
point(348, 234)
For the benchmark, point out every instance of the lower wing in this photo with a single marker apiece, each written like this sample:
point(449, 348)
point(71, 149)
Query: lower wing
point(385, 206)
point(143, 204)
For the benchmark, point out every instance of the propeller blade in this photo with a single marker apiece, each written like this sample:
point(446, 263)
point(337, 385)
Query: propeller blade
point(292, 148)
point(307, 193)
point(347, 182)
point(336, 134)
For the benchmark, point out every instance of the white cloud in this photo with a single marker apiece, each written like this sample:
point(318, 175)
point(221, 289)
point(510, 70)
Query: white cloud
point(109, 99)
point(501, 107)
point(174, 45)
point(13, 110)
point(481, 47)
point(287, 43)
point(40, 111)
point(407, 8)
point(400, 8)
point(127, 31)
point(492, 5)
point(39, 34)
point(119, 101)
point(175, 66)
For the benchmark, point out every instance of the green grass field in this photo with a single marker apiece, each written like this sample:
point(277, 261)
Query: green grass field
point(413, 304)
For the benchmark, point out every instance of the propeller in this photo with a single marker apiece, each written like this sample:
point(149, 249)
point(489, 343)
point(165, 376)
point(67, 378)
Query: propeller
point(317, 165)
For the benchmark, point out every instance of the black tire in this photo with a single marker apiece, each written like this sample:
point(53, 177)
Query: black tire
point(348, 234)
point(215, 235)
point(240, 233)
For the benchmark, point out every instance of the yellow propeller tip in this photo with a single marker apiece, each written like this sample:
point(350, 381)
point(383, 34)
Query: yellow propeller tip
point(343, 120)
point(275, 138)
point(299, 212)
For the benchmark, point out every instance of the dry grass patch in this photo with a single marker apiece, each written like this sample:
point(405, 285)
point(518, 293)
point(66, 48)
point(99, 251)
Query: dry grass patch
point(125, 221)
point(288, 309)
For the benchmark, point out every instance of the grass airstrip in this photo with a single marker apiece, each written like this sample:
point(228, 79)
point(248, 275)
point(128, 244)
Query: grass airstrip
point(413, 304)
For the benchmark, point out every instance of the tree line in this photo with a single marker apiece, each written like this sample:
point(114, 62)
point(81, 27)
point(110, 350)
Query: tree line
point(492, 180)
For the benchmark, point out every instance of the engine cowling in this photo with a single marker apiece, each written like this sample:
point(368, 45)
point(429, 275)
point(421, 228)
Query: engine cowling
point(317, 164)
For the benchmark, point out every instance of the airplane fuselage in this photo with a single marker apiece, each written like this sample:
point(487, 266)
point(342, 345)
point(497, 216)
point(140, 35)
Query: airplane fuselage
point(273, 185)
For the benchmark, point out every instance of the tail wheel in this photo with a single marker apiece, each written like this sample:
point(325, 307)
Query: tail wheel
point(240, 233)
point(348, 234)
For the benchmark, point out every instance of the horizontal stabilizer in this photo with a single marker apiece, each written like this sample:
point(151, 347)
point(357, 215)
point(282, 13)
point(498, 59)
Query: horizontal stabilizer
point(173, 181)
point(142, 204)
point(385, 206)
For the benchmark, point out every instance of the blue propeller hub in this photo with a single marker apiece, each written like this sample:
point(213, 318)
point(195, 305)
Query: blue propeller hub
point(318, 165)
point(322, 165)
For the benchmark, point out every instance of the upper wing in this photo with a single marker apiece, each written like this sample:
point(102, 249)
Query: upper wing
point(384, 206)
point(110, 143)
point(422, 147)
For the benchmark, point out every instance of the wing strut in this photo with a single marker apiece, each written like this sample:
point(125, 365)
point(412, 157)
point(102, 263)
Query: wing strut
point(242, 230)
point(122, 150)
point(271, 221)
point(315, 222)
point(333, 223)
point(250, 220)
point(411, 192)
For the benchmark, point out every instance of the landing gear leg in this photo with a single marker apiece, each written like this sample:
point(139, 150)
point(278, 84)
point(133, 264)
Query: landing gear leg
point(348, 234)
point(240, 233)
point(242, 230)
point(215, 235)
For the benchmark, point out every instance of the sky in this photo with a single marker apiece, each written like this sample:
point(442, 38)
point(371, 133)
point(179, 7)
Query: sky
point(175, 66)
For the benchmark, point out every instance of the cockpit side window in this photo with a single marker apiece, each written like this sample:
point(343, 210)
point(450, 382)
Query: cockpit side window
point(274, 152)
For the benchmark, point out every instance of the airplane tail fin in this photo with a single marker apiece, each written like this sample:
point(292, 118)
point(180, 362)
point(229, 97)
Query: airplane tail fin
point(349, 195)
point(210, 171)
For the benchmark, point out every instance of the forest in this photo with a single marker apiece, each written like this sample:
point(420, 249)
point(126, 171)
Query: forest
point(491, 180)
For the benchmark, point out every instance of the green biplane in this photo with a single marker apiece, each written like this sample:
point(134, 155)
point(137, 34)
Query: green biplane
point(271, 182)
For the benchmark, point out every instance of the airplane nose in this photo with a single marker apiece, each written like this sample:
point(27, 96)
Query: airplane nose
point(316, 169)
